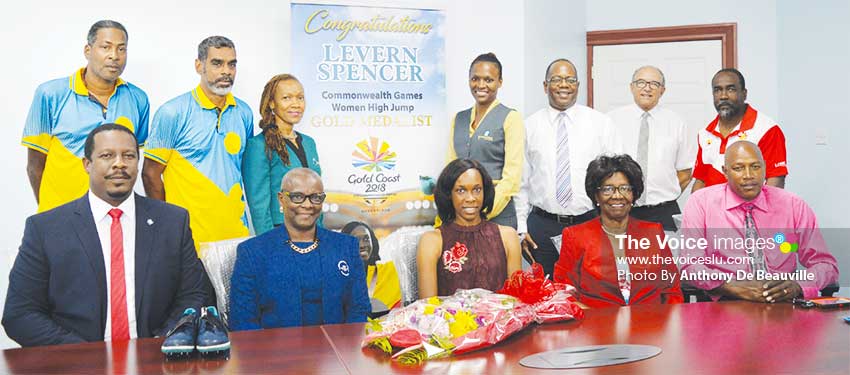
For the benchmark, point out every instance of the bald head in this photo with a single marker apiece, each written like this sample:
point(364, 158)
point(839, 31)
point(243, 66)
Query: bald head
point(744, 169)
point(300, 177)
point(648, 69)
point(742, 148)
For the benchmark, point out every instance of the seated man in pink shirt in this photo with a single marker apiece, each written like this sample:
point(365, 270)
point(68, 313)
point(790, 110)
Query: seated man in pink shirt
point(745, 238)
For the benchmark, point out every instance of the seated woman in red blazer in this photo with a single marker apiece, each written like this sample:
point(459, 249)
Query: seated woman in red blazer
point(590, 251)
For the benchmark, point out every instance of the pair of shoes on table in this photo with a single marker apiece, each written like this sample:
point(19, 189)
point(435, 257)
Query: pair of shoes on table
point(204, 332)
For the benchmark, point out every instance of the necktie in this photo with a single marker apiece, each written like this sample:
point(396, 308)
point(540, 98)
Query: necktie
point(643, 152)
point(750, 235)
point(563, 188)
point(117, 289)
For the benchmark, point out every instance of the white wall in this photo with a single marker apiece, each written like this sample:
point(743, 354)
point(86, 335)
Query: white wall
point(813, 56)
point(163, 36)
point(553, 29)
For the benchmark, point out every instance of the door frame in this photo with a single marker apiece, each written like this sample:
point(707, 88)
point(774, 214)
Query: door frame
point(727, 33)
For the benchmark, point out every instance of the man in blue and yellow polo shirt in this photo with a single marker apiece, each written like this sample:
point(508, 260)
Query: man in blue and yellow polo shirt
point(65, 110)
point(193, 157)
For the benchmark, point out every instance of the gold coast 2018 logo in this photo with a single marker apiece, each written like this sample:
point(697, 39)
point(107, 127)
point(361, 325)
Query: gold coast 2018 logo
point(374, 155)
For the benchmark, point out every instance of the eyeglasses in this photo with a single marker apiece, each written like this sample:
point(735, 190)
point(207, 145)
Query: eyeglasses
point(652, 84)
point(298, 198)
point(608, 190)
point(557, 80)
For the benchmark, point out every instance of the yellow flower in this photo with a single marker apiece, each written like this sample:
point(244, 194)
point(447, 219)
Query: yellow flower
point(373, 325)
point(429, 310)
point(464, 322)
point(434, 301)
point(382, 343)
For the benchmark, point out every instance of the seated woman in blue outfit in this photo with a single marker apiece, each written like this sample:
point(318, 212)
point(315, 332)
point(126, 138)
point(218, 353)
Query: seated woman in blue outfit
point(275, 151)
point(298, 274)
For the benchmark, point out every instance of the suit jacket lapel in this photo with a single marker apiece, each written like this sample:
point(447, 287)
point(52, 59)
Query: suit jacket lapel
point(611, 280)
point(86, 230)
point(145, 232)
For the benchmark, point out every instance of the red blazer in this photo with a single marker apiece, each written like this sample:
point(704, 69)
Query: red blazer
point(587, 262)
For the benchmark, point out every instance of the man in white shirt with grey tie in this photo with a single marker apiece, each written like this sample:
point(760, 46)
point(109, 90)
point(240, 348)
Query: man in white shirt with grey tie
point(658, 139)
point(560, 141)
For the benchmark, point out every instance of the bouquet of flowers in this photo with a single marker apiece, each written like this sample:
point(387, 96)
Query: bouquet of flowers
point(470, 319)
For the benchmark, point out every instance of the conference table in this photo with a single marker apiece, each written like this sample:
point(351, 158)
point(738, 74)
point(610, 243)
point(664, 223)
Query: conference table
point(706, 338)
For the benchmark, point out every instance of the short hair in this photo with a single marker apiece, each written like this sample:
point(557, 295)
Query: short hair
point(446, 182)
point(739, 145)
point(214, 41)
point(735, 72)
point(548, 68)
point(299, 173)
point(104, 24)
point(350, 227)
point(663, 81)
point(487, 57)
point(89, 145)
point(603, 167)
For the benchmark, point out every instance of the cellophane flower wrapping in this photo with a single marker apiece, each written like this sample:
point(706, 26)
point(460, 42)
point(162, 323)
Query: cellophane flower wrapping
point(469, 319)
point(552, 302)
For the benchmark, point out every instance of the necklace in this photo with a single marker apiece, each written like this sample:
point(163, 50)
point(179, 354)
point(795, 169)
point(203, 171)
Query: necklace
point(611, 233)
point(304, 250)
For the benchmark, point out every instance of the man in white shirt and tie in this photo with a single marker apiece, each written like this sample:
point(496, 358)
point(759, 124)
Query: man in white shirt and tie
point(560, 141)
point(110, 265)
point(658, 139)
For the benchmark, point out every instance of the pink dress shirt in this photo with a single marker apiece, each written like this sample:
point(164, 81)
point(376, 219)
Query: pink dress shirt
point(717, 212)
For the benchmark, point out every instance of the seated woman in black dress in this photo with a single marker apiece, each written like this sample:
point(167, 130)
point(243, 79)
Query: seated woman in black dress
point(467, 251)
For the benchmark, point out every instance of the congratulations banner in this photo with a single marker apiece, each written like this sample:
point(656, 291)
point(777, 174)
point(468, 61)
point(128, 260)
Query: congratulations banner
point(376, 106)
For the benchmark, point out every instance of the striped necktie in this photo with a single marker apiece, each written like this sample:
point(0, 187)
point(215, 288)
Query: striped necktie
point(751, 235)
point(643, 152)
point(563, 188)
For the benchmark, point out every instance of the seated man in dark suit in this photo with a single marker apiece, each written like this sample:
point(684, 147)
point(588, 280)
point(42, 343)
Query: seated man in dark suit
point(110, 265)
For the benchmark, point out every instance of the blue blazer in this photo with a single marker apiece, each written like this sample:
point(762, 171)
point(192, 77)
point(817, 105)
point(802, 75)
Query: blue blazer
point(264, 290)
point(57, 286)
point(262, 177)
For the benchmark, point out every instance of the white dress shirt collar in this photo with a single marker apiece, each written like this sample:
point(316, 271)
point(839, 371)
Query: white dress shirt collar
point(100, 208)
point(554, 112)
point(638, 111)
point(103, 222)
